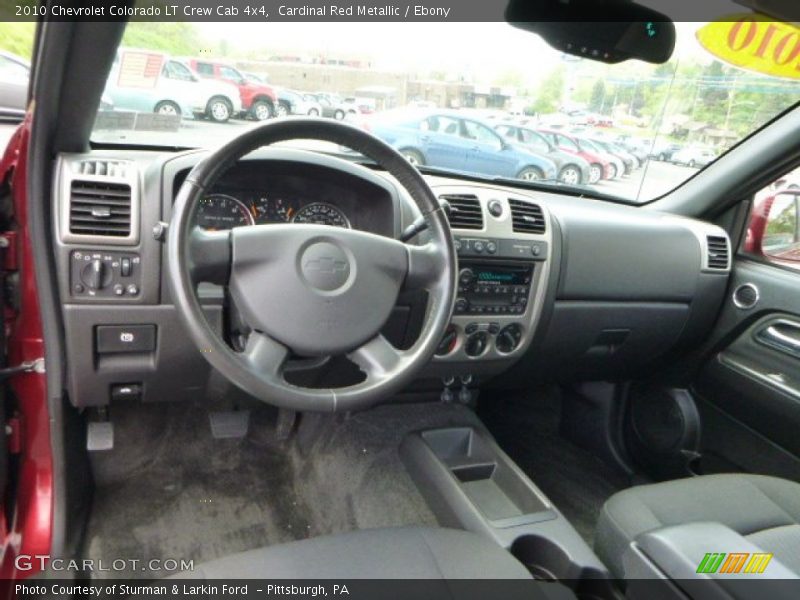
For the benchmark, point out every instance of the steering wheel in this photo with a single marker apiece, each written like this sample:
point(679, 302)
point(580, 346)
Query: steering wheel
point(314, 290)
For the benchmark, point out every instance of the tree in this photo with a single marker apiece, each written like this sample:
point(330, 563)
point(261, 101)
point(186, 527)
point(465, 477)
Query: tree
point(17, 38)
point(598, 97)
point(177, 39)
point(550, 92)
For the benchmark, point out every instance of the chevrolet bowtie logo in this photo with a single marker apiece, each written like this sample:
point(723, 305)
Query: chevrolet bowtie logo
point(326, 264)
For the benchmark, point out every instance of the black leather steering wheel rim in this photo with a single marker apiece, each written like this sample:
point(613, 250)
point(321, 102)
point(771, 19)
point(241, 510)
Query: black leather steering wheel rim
point(194, 255)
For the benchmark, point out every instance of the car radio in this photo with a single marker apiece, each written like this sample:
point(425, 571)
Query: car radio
point(493, 289)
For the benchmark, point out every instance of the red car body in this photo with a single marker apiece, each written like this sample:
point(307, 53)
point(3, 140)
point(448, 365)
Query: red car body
point(590, 157)
point(254, 95)
point(28, 532)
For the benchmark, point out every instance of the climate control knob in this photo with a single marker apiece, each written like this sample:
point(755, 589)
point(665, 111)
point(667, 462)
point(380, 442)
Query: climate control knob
point(448, 343)
point(508, 338)
point(476, 343)
point(461, 305)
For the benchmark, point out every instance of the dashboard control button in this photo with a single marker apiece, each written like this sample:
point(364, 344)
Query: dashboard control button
point(478, 246)
point(125, 268)
point(476, 343)
point(130, 391)
point(96, 275)
point(495, 208)
point(133, 290)
point(471, 328)
point(461, 305)
point(491, 247)
point(457, 244)
point(119, 290)
point(125, 338)
point(466, 276)
point(508, 339)
point(448, 343)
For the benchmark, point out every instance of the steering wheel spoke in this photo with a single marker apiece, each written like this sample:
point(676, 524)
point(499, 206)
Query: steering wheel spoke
point(265, 355)
point(377, 358)
point(210, 255)
point(426, 266)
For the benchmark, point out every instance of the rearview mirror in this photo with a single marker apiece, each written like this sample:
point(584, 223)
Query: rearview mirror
point(609, 31)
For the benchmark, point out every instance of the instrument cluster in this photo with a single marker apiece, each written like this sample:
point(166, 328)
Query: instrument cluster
point(220, 211)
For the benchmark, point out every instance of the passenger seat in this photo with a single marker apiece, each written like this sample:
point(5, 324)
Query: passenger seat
point(763, 510)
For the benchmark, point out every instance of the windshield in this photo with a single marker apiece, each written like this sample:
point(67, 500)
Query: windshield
point(485, 99)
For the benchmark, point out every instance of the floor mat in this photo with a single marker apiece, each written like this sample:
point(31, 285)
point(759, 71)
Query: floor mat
point(169, 490)
point(577, 482)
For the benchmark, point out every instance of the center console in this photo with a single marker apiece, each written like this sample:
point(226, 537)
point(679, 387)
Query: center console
point(470, 483)
point(503, 246)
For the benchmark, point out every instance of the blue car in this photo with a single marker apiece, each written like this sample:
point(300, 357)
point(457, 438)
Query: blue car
point(448, 140)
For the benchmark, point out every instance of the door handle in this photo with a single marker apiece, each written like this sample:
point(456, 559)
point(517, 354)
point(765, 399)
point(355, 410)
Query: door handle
point(782, 335)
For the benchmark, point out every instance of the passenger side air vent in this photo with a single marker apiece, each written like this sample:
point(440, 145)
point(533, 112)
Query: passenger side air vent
point(465, 211)
point(527, 217)
point(100, 208)
point(718, 253)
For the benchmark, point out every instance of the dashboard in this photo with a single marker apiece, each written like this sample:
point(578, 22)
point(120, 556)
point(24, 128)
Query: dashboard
point(549, 286)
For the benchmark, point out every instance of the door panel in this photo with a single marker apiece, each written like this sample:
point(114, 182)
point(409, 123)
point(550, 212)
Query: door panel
point(752, 382)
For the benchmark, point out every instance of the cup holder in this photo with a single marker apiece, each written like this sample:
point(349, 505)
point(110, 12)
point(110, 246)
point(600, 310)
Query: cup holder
point(547, 561)
point(543, 558)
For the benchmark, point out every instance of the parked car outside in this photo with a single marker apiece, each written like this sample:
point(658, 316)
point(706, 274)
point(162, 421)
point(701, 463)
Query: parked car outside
point(663, 150)
point(572, 169)
point(616, 164)
point(694, 156)
point(259, 100)
point(629, 161)
point(215, 100)
point(449, 140)
point(137, 82)
point(334, 107)
point(291, 102)
point(14, 76)
point(600, 166)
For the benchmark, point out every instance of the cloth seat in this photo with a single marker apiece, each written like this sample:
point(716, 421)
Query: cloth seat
point(394, 553)
point(765, 510)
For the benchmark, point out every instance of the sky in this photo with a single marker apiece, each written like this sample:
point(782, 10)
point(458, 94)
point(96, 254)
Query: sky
point(481, 49)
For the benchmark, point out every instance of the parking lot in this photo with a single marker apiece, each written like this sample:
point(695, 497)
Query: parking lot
point(650, 181)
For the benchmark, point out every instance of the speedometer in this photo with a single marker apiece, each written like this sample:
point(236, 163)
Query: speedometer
point(219, 212)
point(321, 213)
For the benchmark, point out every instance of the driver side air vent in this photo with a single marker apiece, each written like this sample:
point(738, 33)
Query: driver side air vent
point(100, 208)
point(527, 217)
point(465, 211)
point(718, 253)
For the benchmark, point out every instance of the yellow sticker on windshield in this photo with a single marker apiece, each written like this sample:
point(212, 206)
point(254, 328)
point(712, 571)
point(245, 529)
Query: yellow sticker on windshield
point(756, 43)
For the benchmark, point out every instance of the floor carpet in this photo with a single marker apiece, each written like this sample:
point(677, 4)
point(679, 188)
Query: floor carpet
point(526, 425)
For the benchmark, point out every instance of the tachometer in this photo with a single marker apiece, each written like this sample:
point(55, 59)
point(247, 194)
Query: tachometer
point(219, 211)
point(321, 213)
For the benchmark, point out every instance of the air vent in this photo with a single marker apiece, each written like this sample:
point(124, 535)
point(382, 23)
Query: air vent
point(108, 168)
point(718, 254)
point(100, 208)
point(527, 217)
point(465, 211)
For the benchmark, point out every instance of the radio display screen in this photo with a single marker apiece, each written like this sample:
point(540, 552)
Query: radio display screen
point(490, 275)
